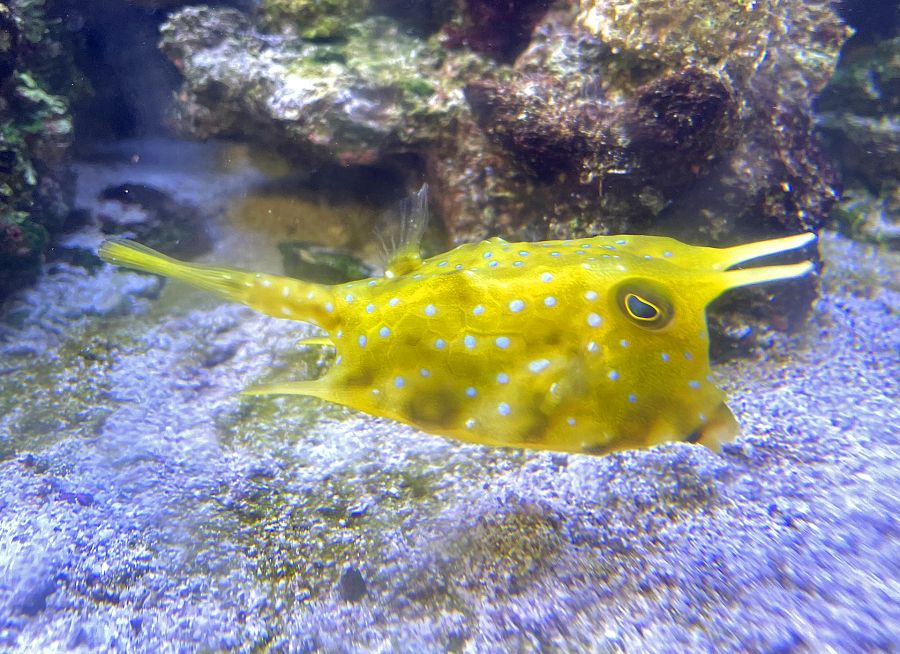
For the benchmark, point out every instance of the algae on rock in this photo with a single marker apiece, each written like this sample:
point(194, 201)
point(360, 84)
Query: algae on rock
point(375, 92)
point(858, 114)
point(313, 19)
point(691, 120)
point(36, 183)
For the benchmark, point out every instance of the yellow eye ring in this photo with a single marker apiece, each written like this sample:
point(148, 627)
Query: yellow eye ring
point(645, 303)
point(641, 309)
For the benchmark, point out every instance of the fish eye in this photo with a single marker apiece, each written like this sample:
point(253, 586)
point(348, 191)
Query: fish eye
point(640, 308)
point(644, 304)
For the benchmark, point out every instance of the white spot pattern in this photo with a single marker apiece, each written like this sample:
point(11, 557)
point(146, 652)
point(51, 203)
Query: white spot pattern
point(538, 365)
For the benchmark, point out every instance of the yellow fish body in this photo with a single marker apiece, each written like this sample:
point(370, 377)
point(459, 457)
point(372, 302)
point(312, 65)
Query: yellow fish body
point(585, 345)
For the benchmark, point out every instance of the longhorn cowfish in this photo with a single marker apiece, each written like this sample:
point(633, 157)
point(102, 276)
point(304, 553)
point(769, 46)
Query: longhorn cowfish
point(587, 345)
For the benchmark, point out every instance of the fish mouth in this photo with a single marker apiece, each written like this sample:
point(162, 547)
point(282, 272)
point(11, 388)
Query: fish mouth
point(740, 254)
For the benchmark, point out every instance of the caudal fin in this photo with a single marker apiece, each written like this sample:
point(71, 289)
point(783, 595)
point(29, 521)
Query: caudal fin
point(130, 254)
point(282, 297)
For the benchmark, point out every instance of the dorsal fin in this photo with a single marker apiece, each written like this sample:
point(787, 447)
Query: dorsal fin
point(400, 234)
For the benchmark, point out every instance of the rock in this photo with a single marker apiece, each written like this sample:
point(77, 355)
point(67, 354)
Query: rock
point(859, 114)
point(154, 218)
point(312, 19)
point(859, 118)
point(673, 126)
point(500, 30)
point(349, 102)
point(599, 90)
point(32, 597)
point(869, 217)
point(352, 585)
point(36, 181)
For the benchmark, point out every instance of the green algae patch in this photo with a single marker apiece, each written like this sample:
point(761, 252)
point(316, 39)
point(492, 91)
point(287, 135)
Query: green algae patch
point(394, 78)
point(300, 537)
point(68, 389)
point(74, 396)
point(511, 549)
point(313, 19)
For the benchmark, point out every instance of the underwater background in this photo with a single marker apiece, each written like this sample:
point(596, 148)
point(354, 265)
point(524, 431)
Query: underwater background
point(146, 507)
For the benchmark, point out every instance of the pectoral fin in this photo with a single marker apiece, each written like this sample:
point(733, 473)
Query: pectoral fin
point(321, 341)
point(720, 427)
point(312, 388)
point(322, 388)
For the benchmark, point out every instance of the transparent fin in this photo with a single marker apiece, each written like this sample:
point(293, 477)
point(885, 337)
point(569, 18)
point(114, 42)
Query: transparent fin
point(740, 253)
point(400, 234)
point(322, 388)
point(319, 341)
point(312, 388)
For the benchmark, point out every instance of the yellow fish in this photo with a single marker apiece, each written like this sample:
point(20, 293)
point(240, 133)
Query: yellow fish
point(587, 345)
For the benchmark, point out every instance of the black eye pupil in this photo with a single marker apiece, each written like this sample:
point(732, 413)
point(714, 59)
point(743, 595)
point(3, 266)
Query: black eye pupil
point(640, 309)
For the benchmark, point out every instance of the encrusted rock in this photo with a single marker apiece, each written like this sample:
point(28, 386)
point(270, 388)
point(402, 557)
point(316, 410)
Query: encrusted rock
point(870, 217)
point(691, 120)
point(609, 120)
point(859, 118)
point(859, 113)
point(36, 182)
point(350, 102)
point(155, 219)
point(313, 19)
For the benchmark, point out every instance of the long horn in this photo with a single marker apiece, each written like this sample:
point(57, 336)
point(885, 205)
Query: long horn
point(740, 253)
